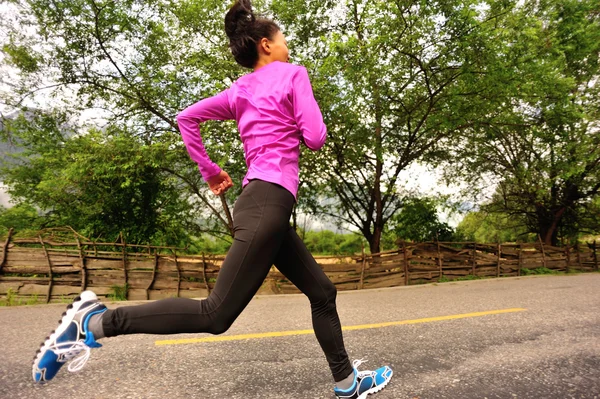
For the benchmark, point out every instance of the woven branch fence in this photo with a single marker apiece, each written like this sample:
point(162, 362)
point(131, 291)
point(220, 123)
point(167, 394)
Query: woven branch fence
point(53, 271)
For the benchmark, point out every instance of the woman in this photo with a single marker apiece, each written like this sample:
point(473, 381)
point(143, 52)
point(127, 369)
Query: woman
point(275, 111)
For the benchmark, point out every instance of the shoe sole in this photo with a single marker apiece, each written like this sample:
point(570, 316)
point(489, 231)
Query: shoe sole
point(377, 388)
point(67, 318)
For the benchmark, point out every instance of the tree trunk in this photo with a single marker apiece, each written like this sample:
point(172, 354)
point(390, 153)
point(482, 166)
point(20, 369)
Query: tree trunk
point(369, 236)
point(375, 241)
point(295, 218)
point(549, 227)
point(227, 214)
point(378, 220)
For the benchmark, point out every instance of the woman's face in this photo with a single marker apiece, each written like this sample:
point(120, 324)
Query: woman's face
point(279, 48)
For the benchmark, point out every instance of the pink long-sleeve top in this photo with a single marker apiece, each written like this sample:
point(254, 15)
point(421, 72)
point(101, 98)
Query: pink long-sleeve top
point(275, 110)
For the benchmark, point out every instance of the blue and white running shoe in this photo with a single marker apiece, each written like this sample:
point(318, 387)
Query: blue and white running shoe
point(365, 382)
point(70, 338)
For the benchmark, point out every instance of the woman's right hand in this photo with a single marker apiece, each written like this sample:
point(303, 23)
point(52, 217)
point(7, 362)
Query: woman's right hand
point(220, 183)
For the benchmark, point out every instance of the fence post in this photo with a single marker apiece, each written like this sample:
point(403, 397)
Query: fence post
point(543, 251)
point(499, 256)
point(405, 263)
point(178, 272)
point(595, 257)
point(362, 271)
point(204, 273)
point(578, 256)
point(5, 248)
point(568, 253)
point(50, 276)
point(439, 254)
point(124, 253)
point(474, 259)
point(83, 269)
point(520, 259)
point(153, 275)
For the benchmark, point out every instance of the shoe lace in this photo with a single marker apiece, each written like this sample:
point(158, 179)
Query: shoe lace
point(70, 350)
point(365, 373)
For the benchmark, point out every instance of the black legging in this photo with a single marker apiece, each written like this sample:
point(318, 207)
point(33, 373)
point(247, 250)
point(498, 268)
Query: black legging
point(262, 237)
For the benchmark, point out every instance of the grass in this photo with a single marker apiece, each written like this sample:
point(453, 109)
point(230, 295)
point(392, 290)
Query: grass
point(12, 299)
point(119, 292)
point(524, 272)
point(198, 279)
point(65, 299)
point(469, 277)
point(538, 271)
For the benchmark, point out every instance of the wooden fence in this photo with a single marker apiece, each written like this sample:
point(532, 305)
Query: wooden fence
point(52, 271)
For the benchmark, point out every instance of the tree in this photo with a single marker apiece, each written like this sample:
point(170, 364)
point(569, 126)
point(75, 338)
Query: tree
point(483, 227)
point(101, 183)
point(388, 78)
point(326, 242)
point(139, 63)
point(418, 221)
point(506, 90)
point(21, 217)
point(540, 141)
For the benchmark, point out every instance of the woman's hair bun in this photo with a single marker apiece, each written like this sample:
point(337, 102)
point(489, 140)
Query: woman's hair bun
point(239, 19)
point(245, 30)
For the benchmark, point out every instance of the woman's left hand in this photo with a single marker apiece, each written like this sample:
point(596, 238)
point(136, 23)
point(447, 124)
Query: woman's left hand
point(220, 183)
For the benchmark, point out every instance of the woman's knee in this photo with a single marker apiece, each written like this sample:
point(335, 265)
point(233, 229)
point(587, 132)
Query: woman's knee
point(326, 296)
point(219, 326)
point(216, 318)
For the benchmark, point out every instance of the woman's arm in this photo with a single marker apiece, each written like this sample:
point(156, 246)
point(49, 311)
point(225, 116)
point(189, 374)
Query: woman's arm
point(306, 111)
point(188, 120)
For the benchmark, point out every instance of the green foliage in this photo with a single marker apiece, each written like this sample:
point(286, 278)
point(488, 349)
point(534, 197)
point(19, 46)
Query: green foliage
point(468, 277)
point(539, 270)
point(176, 54)
point(101, 184)
point(21, 57)
point(483, 227)
point(393, 82)
point(119, 292)
point(506, 91)
point(22, 217)
point(209, 244)
point(418, 221)
point(12, 300)
point(539, 139)
point(327, 242)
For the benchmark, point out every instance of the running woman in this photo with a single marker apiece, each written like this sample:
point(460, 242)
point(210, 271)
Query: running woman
point(275, 112)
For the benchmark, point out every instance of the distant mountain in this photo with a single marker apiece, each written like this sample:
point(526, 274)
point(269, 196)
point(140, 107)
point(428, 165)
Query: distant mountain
point(8, 147)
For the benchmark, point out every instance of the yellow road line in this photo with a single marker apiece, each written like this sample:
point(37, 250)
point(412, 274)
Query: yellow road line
point(221, 338)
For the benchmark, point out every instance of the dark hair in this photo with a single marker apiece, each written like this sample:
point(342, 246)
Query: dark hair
point(245, 30)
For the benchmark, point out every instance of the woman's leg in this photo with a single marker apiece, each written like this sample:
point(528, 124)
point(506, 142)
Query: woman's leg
point(261, 218)
point(298, 265)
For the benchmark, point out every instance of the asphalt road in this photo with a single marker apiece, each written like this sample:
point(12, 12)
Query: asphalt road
point(549, 350)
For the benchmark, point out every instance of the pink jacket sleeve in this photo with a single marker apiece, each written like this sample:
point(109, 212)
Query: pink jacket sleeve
point(306, 111)
point(188, 120)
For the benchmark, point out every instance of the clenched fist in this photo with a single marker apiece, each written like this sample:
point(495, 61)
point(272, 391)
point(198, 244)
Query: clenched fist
point(220, 183)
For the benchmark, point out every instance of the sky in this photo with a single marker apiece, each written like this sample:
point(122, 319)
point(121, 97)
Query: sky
point(4, 197)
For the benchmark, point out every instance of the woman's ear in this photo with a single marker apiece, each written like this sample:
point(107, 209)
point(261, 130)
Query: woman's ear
point(265, 45)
